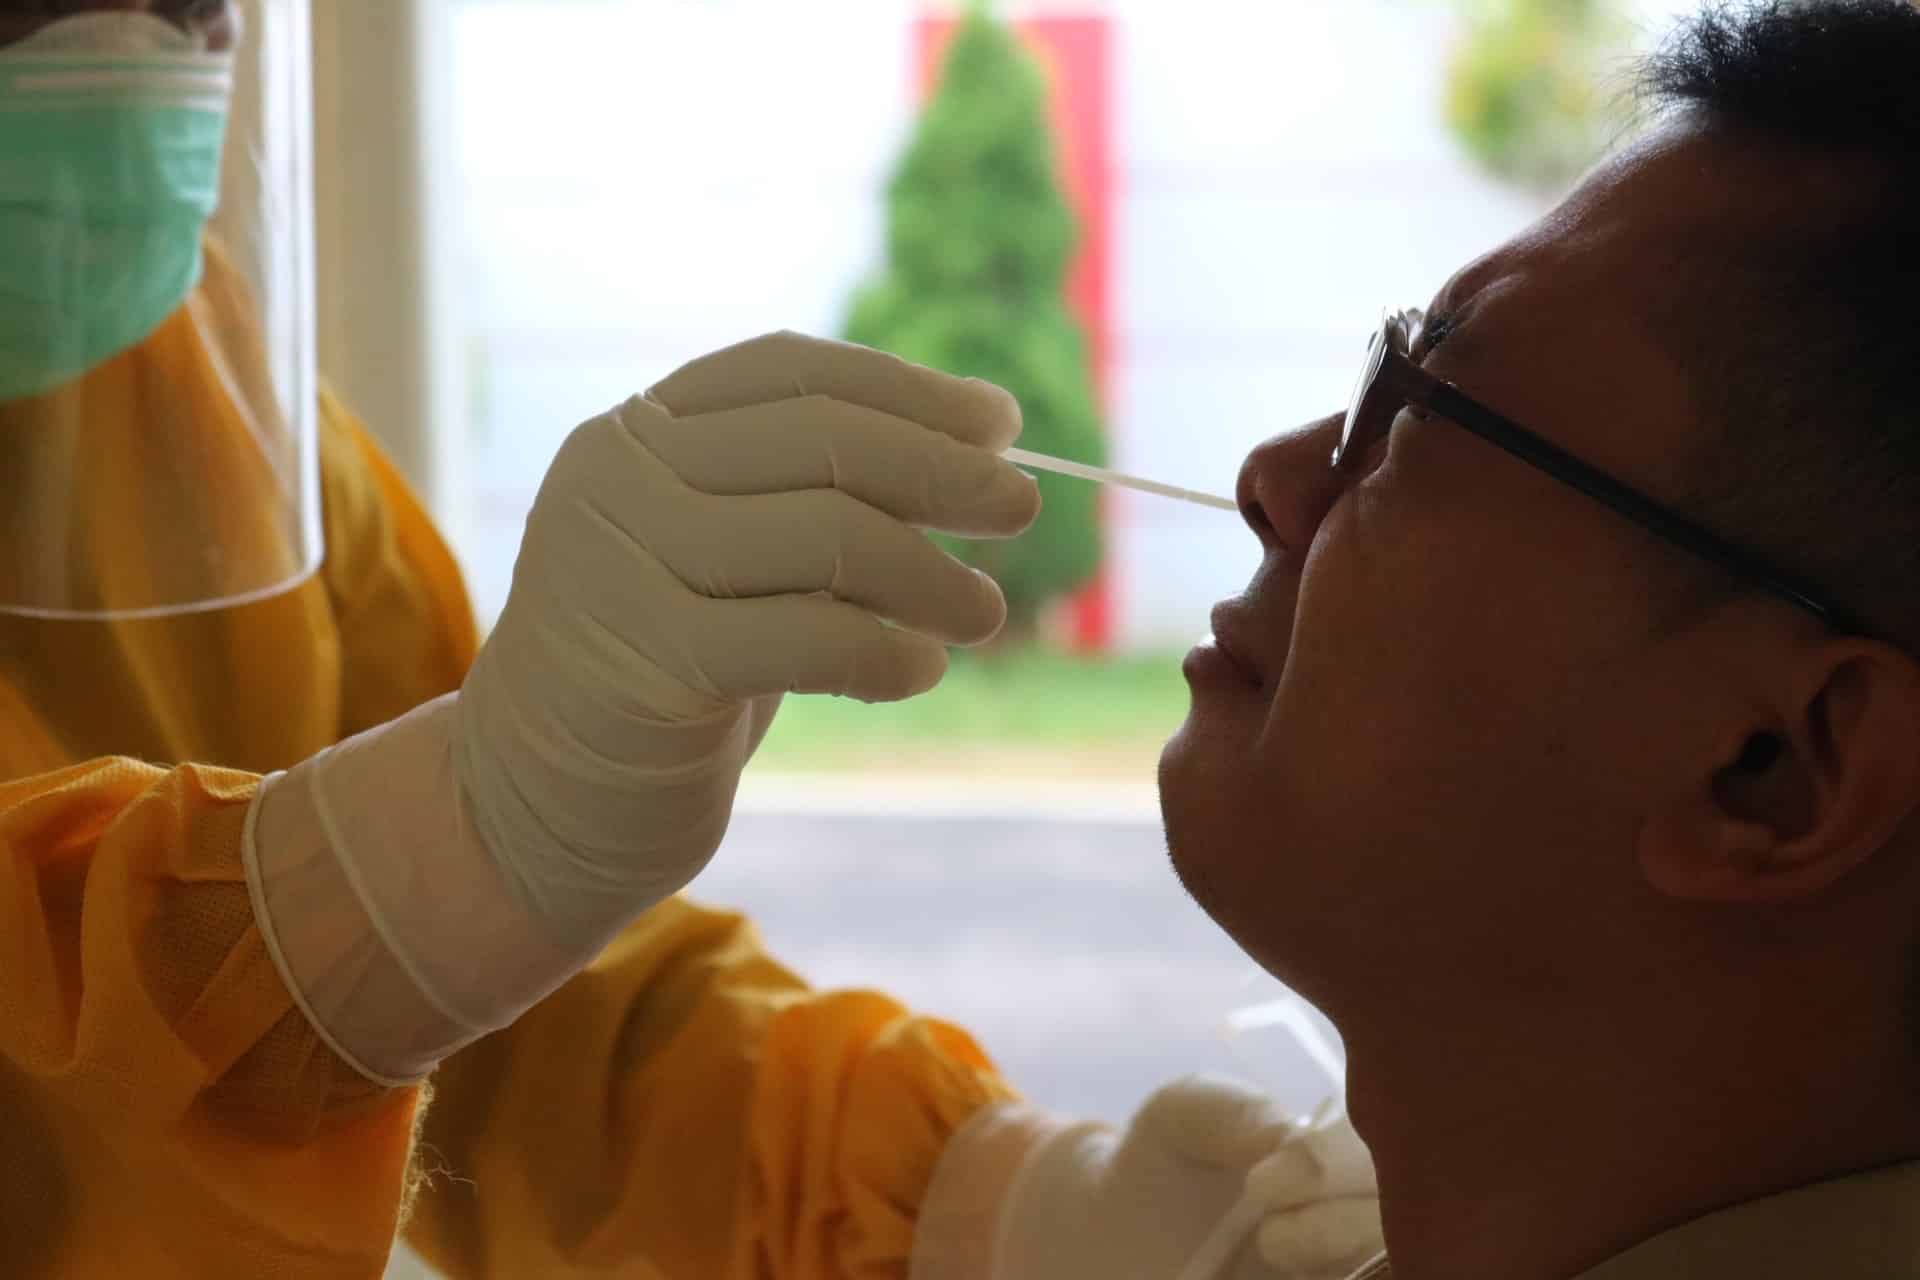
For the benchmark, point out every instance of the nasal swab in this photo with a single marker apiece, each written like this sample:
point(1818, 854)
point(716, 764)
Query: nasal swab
point(1103, 476)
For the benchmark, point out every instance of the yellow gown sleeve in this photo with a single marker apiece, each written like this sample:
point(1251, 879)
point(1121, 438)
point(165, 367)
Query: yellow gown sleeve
point(688, 1109)
point(406, 626)
point(164, 1109)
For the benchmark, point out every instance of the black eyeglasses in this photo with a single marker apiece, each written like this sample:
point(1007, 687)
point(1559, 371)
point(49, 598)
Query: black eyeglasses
point(1392, 381)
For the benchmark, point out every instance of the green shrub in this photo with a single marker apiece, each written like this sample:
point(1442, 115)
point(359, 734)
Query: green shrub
point(1528, 86)
point(979, 238)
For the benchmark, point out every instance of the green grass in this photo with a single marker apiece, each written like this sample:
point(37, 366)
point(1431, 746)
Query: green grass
point(1032, 705)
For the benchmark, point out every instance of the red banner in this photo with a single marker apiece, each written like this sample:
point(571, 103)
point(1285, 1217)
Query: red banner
point(1076, 54)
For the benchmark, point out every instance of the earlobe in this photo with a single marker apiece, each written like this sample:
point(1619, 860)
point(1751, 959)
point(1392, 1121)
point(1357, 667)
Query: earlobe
point(1695, 853)
point(1743, 865)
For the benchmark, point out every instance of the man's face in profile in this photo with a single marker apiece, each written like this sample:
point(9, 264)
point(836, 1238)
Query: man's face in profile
point(1455, 687)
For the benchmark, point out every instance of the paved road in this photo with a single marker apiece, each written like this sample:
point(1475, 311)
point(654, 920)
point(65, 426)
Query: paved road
point(1061, 939)
point(1066, 945)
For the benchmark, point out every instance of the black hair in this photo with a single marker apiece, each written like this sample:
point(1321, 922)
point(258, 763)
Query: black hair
point(1805, 359)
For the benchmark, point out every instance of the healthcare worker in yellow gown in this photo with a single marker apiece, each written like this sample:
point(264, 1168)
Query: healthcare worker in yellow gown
point(267, 1001)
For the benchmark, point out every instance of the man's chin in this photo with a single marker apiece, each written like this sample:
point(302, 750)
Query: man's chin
point(1176, 761)
point(1181, 763)
point(1229, 859)
point(1193, 828)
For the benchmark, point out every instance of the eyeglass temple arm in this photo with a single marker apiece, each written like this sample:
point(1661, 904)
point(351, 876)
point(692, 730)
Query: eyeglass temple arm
point(1422, 388)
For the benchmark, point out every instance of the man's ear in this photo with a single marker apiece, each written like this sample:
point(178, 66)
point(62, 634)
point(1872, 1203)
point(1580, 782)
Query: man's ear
point(1797, 798)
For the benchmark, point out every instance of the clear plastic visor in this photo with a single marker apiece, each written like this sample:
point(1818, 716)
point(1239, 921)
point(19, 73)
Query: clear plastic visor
point(157, 388)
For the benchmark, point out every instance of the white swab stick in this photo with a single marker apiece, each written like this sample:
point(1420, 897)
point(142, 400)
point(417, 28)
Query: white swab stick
point(1103, 476)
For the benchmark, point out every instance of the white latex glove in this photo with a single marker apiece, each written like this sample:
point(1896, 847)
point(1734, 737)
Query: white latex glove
point(739, 532)
point(1316, 1203)
point(1207, 1167)
point(749, 527)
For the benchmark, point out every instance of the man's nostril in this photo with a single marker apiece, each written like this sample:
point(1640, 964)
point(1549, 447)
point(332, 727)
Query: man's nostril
point(1256, 517)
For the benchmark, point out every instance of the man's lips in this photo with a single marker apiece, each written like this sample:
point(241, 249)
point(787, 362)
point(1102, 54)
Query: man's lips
point(1231, 636)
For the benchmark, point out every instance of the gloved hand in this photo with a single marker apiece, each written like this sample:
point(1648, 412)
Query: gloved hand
point(749, 527)
point(739, 532)
point(1210, 1180)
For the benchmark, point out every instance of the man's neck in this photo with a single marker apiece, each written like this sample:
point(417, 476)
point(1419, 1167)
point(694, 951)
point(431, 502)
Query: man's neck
point(1539, 1157)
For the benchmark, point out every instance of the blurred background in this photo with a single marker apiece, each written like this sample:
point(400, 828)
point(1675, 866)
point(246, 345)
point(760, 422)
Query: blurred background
point(1169, 227)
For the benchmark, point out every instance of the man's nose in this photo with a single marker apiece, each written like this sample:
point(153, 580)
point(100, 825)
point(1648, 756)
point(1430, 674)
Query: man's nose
point(1288, 484)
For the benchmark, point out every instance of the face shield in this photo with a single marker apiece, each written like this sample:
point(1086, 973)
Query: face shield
point(157, 386)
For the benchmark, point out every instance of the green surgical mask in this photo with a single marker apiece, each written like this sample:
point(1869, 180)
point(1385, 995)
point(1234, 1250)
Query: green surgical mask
point(111, 130)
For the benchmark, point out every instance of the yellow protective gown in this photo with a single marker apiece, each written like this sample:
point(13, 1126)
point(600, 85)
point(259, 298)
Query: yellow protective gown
point(685, 1108)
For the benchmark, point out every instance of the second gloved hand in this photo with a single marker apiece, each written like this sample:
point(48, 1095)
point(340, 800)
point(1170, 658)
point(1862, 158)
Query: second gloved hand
point(1210, 1181)
point(749, 527)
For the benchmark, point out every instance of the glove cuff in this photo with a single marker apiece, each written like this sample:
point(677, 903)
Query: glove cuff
point(963, 1212)
point(1056, 1225)
point(383, 912)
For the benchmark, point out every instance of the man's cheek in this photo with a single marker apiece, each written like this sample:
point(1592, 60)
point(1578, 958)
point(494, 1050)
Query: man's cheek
point(1398, 630)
